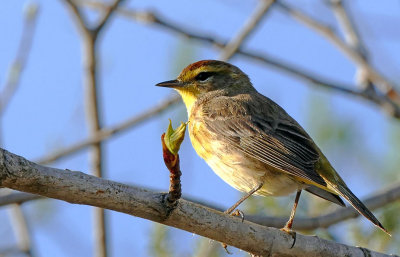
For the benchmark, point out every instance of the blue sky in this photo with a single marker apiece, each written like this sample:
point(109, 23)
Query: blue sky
point(48, 110)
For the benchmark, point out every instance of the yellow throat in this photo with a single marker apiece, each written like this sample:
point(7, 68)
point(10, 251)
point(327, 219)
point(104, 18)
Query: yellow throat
point(189, 98)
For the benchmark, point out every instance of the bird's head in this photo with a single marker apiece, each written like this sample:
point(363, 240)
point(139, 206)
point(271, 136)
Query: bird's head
point(207, 76)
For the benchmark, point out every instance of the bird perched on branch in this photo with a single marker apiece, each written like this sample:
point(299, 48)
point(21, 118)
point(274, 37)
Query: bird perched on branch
point(251, 142)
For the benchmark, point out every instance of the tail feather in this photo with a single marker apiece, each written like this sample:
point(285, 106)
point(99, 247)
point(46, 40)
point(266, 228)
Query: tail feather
point(325, 195)
point(359, 206)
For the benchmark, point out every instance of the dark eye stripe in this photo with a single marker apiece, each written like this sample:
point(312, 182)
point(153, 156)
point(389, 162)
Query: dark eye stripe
point(203, 76)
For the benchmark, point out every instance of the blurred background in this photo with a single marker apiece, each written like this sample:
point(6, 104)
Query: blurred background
point(334, 66)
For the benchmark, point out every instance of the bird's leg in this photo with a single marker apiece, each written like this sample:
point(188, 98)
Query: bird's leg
point(288, 227)
point(237, 212)
point(230, 210)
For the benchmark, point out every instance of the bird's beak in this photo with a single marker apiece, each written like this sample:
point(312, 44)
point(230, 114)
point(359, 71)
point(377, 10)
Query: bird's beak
point(170, 83)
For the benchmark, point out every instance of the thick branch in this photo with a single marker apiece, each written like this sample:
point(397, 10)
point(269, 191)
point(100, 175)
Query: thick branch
point(77, 187)
point(389, 195)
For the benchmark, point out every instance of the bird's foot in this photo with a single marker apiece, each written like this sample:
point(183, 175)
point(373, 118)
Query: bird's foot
point(238, 212)
point(291, 233)
point(225, 246)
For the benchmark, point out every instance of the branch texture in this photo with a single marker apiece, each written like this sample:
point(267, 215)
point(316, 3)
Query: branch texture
point(79, 188)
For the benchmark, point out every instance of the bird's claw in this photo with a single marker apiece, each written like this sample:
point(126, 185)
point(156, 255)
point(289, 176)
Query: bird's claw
point(291, 233)
point(225, 246)
point(234, 213)
point(238, 213)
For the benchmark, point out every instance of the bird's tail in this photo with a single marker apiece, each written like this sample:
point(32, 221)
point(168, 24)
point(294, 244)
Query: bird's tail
point(359, 206)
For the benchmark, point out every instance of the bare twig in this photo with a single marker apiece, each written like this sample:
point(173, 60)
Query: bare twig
point(348, 27)
point(90, 36)
point(382, 83)
point(383, 101)
point(18, 65)
point(353, 39)
point(389, 195)
point(107, 133)
point(78, 15)
point(17, 198)
point(20, 228)
point(233, 46)
point(106, 16)
point(77, 187)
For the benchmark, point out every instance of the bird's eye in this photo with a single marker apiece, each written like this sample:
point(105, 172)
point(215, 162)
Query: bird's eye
point(202, 76)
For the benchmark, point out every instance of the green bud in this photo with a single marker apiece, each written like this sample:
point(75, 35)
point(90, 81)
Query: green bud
point(173, 138)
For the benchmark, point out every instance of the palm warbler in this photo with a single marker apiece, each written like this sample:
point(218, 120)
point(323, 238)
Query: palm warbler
point(251, 142)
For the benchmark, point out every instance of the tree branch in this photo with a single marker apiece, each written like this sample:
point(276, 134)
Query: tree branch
point(78, 15)
point(107, 133)
point(106, 17)
point(17, 197)
point(381, 100)
point(377, 200)
point(353, 39)
point(21, 230)
point(77, 187)
point(383, 84)
point(16, 215)
point(90, 36)
point(233, 46)
point(18, 65)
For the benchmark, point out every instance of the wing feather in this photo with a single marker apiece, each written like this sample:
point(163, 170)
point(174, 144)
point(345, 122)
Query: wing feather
point(280, 144)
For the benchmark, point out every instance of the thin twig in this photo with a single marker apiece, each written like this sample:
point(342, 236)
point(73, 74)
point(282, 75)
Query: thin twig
point(353, 39)
point(17, 198)
point(107, 133)
point(382, 83)
point(348, 26)
point(90, 36)
point(106, 16)
point(21, 230)
point(17, 67)
point(389, 195)
point(383, 101)
point(78, 14)
point(233, 46)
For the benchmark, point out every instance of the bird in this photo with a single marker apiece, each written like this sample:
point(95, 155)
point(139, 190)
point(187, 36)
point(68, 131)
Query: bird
point(252, 143)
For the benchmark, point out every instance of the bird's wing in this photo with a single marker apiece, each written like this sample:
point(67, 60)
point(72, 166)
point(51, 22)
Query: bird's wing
point(282, 145)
